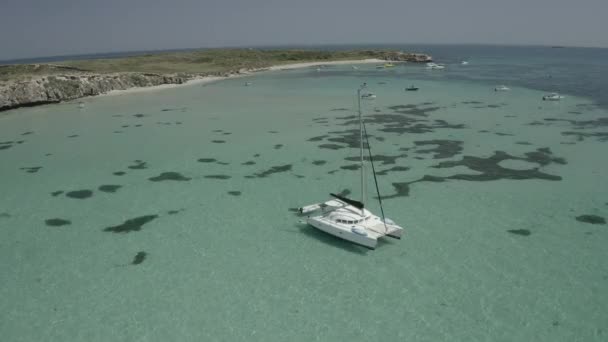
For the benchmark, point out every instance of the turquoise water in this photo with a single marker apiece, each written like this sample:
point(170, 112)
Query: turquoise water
point(492, 251)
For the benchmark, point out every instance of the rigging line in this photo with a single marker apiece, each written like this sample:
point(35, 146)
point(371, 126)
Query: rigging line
point(371, 161)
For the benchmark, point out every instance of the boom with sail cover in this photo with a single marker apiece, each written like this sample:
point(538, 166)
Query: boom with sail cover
point(356, 204)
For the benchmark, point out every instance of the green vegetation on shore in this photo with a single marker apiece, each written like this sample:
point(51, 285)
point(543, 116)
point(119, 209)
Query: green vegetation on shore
point(200, 62)
point(38, 84)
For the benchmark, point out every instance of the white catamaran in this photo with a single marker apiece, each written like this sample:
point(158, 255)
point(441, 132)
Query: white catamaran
point(348, 219)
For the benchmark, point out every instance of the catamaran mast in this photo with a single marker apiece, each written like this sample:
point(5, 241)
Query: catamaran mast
point(361, 143)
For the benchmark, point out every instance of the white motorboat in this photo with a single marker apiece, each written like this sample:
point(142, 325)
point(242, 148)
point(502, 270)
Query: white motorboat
point(464, 63)
point(552, 97)
point(355, 67)
point(434, 66)
point(348, 219)
point(502, 88)
point(368, 96)
point(248, 84)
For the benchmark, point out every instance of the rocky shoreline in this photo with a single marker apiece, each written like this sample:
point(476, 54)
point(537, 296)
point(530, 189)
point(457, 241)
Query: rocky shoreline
point(75, 84)
point(54, 89)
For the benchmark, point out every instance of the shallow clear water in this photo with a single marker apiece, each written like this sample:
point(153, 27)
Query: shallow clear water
point(492, 251)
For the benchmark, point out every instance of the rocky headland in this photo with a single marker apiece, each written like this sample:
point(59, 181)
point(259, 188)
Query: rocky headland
point(37, 84)
point(54, 89)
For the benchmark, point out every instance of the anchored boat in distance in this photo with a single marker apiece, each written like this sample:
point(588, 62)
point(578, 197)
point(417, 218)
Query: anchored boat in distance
point(552, 97)
point(434, 66)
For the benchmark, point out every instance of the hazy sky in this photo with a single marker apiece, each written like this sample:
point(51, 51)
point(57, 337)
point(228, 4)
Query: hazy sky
point(34, 28)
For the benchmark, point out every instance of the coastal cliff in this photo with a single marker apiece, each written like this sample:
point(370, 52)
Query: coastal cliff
point(54, 89)
point(37, 84)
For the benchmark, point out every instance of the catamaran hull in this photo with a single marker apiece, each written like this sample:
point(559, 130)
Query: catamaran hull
point(395, 235)
point(361, 240)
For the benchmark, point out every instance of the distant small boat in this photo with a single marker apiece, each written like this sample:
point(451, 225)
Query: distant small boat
point(318, 69)
point(379, 66)
point(464, 63)
point(355, 68)
point(389, 65)
point(502, 88)
point(80, 105)
point(552, 97)
point(412, 88)
point(368, 96)
point(248, 84)
point(434, 66)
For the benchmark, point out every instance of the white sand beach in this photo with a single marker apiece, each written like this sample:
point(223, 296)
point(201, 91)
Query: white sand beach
point(311, 64)
point(198, 80)
point(210, 79)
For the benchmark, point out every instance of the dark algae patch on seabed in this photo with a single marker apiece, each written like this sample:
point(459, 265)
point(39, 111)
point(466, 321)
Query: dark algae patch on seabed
point(169, 176)
point(109, 188)
point(80, 194)
point(139, 258)
point(489, 170)
point(139, 165)
point(443, 149)
point(593, 219)
point(274, 169)
point(32, 169)
point(131, 225)
point(218, 176)
point(57, 222)
point(522, 232)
